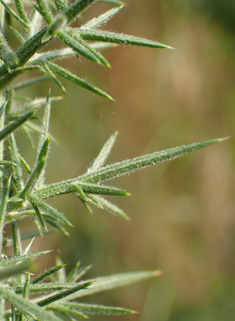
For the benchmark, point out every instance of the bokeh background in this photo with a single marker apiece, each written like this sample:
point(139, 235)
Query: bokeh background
point(182, 213)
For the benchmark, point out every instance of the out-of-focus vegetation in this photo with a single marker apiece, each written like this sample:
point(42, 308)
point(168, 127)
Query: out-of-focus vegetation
point(184, 221)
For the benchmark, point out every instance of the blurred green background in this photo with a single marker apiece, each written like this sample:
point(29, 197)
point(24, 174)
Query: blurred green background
point(182, 212)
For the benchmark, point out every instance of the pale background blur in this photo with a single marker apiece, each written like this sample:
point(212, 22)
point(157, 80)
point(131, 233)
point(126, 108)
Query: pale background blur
point(183, 212)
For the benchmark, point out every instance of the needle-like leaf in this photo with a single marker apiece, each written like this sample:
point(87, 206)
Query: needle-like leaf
point(116, 170)
point(87, 51)
point(40, 164)
point(3, 205)
point(28, 134)
point(70, 277)
point(80, 193)
point(100, 160)
point(2, 108)
point(25, 294)
point(52, 76)
point(115, 2)
point(106, 205)
point(68, 311)
point(26, 306)
point(51, 55)
point(76, 8)
point(36, 103)
point(94, 309)
point(131, 165)
point(64, 294)
point(44, 9)
point(78, 272)
point(29, 82)
point(7, 175)
point(78, 81)
point(107, 36)
point(17, 246)
point(25, 236)
point(15, 124)
point(61, 274)
point(36, 221)
point(17, 34)
point(57, 226)
point(16, 259)
point(3, 162)
point(35, 23)
point(57, 216)
point(11, 271)
point(21, 11)
point(73, 186)
point(39, 215)
point(102, 19)
point(15, 156)
point(13, 14)
point(26, 287)
point(7, 54)
point(76, 46)
point(102, 45)
point(28, 247)
point(47, 273)
point(49, 218)
point(51, 286)
point(2, 17)
point(25, 164)
point(43, 137)
point(45, 126)
point(114, 281)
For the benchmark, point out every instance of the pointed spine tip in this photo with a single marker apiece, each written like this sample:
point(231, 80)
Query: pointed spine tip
point(225, 138)
point(133, 312)
point(105, 95)
point(158, 273)
point(171, 48)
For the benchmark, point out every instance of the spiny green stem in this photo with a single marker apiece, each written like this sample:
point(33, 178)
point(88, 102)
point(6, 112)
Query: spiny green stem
point(69, 187)
point(3, 205)
point(131, 165)
point(26, 51)
point(2, 101)
point(2, 17)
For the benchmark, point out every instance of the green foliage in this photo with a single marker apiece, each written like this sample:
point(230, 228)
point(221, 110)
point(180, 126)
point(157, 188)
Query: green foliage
point(22, 198)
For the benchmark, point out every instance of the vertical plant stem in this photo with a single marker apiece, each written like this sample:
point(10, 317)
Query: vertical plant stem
point(2, 142)
point(16, 239)
point(2, 309)
point(2, 17)
point(17, 246)
point(3, 206)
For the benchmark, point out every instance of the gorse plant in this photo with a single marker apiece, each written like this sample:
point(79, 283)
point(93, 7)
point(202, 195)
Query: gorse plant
point(51, 295)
